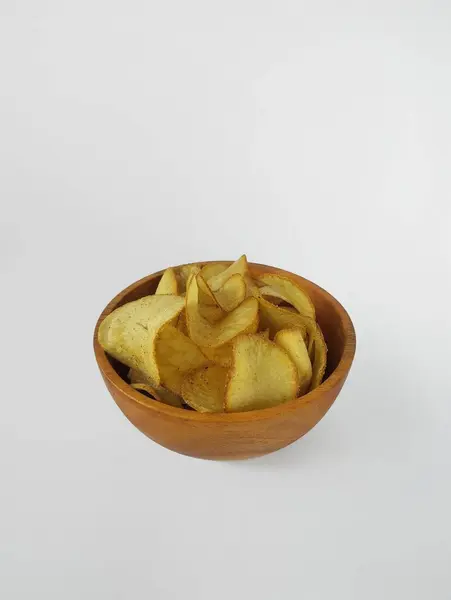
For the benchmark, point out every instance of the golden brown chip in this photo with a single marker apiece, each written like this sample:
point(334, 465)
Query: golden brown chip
point(204, 389)
point(228, 297)
point(212, 314)
point(212, 269)
point(239, 266)
point(292, 341)
point(221, 356)
point(252, 289)
point(232, 293)
point(168, 397)
point(269, 294)
point(206, 296)
point(183, 273)
point(145, 387)
point(209, 307)
point(262, 375)
point(128, 333)
point(138, 381)
point(168, 283)
point(176, 355)
point(136, 376)
point(291, 292)
point(181, 323)
point(319, 358)
point(276, 318)
point(243, 319)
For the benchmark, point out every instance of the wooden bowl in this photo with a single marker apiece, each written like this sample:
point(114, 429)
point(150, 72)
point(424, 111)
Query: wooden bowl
point(234, 435)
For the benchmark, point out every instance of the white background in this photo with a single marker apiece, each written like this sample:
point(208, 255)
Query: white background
point(311, 135)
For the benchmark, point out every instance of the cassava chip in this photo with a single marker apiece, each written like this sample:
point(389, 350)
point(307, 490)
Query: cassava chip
point(128, 333)
point(243, 319)
point(183, 274)
point(319, 352)
point(212, 269)
point(204, 389)
point(262, 375)
point(239, 266)
point(181, 323)
point(290, 292)
point(176, 355)
point(221, 356)
point(228, 297)
point(232, 293)
point(252, 289)
point(209, 307)
point(138, 382)
point(292, 341)
point(269, 294)
point(135, 376)
point(145, 387)
point(212, 314)
point(206, 296)
point(168, 397)
point(276, 318)
point(168, 283)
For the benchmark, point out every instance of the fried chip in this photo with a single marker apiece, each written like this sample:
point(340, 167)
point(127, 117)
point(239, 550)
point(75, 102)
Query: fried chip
point(168, 397)
point(269, 294)
point(232, 293)
point(319, 362)
point(239, 266)
point(138, 382)
point(136, 376)
point(243, 319)
point(181, 323)
point(212, 269)
point(290, 292)
point(292, 340)
point(227, 298)
point(183, 274)
point(209, 307)
point(148, 389)
point(168, 283)
point(262, 375)
point(128, 333)
point(206, 296)
point(221, 356)
point(276, 318)
point(176, 355)
point(204, 389)
point(212, 314)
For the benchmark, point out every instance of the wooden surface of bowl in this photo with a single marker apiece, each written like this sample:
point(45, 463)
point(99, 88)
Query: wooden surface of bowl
point(228, 436)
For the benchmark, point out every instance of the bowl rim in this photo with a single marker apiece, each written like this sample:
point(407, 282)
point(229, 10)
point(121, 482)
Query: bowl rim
point(335, 378)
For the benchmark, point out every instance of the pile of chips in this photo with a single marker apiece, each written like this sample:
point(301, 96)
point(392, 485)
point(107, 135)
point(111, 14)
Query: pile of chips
point(215, 339)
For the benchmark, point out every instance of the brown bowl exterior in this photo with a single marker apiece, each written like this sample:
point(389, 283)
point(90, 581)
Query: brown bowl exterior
point(235, 435)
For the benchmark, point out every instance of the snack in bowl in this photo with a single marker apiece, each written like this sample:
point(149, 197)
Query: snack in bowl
point(210, 414)
point(217, 339)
